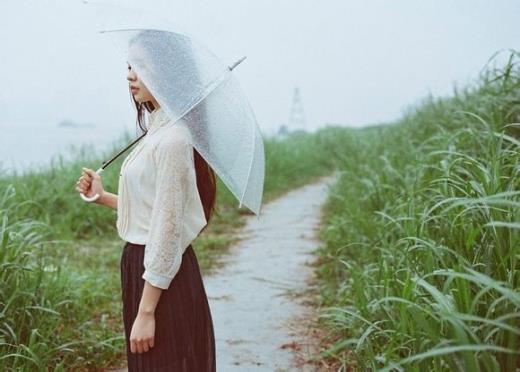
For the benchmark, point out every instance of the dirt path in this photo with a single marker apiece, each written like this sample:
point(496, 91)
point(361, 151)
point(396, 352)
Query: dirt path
point(252, 296)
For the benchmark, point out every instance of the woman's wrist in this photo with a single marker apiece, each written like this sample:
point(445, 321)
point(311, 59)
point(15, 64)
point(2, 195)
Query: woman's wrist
point(102, 198)
point(146, 311)
point(149, 299)
point(107, 199)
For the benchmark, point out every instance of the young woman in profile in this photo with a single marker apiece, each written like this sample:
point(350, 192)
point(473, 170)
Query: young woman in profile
point(166, 196)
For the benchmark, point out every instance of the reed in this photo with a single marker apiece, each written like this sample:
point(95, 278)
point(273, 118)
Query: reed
point(419, 269)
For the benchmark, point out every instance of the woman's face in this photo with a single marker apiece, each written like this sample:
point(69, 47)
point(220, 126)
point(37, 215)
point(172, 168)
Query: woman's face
point(137, 87)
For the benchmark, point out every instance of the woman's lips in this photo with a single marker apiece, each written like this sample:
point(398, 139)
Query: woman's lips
point(134, 90)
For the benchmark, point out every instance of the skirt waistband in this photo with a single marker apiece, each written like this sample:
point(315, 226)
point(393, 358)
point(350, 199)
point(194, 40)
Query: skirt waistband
point(133, 244)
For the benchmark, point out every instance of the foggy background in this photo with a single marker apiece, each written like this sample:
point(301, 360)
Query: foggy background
point(356, 63)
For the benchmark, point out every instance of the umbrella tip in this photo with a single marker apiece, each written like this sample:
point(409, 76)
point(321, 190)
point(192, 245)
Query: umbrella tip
point(237, 63)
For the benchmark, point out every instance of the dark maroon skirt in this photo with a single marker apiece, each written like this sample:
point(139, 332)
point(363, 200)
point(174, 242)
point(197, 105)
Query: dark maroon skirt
point(184, 336)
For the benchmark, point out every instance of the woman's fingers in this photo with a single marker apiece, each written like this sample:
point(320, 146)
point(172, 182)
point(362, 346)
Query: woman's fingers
point(141, 346)
point(85, 180)
point(90, 172)
point(82, 186)
point(86, 175)
point(135, 346)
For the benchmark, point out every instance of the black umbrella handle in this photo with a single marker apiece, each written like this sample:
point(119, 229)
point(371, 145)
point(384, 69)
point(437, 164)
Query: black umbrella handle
point(105, 164)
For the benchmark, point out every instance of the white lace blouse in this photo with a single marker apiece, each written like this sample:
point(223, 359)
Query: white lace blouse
point(158, 200)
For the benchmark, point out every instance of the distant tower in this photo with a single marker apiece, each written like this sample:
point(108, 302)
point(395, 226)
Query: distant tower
point(297, 115)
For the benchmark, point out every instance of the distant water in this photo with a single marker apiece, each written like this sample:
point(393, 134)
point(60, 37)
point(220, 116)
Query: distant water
point(26, 147)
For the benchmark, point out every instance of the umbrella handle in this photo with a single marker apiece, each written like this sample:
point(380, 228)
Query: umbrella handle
point(94, 197)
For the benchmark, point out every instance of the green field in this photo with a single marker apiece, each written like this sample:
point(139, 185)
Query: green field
point(419, 270)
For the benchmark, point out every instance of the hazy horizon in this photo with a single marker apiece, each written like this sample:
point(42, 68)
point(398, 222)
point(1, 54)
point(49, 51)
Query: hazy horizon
point(356, 63)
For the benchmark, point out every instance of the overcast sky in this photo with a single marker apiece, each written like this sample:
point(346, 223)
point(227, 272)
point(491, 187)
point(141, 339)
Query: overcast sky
point(356, 62)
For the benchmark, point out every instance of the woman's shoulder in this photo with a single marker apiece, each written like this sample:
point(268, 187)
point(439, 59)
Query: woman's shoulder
point(174, 136)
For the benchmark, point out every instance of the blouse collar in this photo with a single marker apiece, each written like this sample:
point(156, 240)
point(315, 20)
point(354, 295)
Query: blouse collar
point(157, 118)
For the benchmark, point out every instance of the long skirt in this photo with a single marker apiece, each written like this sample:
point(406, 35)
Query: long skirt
point(184, 336)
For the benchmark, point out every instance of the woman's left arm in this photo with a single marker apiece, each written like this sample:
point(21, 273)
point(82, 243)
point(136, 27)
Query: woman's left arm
point(149, 299)
point(163, 251)
point(142, 336)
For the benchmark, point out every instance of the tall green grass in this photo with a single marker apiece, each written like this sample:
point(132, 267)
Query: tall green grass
point(46, 307)
point(420, 264)
point(60, 306)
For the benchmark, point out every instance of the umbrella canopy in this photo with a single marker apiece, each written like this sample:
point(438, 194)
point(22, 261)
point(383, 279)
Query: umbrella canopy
point(190, 82)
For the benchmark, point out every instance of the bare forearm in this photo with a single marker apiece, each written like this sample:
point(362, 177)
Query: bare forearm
point(149, 298)
point(108, 199)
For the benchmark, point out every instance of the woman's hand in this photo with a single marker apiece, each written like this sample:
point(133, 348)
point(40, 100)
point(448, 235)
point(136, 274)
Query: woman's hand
point(142, 334)
point(90, 184)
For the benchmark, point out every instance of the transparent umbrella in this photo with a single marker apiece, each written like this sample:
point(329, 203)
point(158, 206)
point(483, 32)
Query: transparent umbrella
point(190, 82)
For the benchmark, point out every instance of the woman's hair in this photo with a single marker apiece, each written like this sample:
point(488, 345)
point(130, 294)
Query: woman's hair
point(206, 181)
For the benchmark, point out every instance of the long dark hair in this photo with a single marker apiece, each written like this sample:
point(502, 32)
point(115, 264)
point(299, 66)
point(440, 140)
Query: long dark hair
point(206, 180)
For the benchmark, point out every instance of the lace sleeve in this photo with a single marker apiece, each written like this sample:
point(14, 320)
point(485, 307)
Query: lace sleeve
point(163, 251)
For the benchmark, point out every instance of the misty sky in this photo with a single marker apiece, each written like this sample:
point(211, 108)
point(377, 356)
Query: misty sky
point(356, 62)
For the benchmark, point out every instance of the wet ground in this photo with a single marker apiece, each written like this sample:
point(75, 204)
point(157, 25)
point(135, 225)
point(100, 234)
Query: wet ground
point(254, 295)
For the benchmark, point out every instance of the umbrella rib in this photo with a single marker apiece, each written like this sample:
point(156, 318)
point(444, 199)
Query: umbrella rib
point(213, 85)
point(217, 83)
point(250, 167)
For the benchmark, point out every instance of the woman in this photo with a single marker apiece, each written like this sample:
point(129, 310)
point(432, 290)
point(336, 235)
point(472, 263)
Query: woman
point(165, 198)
